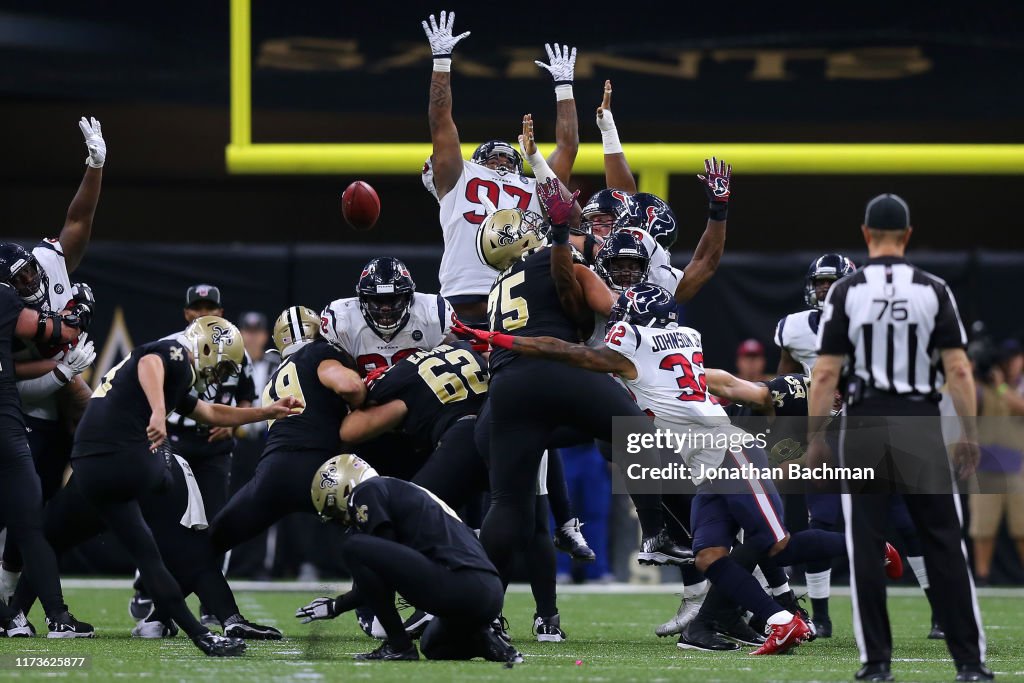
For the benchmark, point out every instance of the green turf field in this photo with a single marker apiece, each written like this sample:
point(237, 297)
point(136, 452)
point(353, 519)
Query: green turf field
point(610, 635)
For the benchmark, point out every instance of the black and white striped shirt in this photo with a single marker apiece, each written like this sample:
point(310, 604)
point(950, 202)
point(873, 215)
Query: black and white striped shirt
point(891, 319)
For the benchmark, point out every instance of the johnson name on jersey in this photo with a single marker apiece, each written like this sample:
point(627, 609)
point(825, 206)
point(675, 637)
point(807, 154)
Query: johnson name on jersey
point(429, 322)
point(462, 211)
point(797, 333)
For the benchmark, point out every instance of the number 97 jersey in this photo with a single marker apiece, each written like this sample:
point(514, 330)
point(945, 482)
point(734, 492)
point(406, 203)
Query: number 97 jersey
point(463, 209)
point(670, 384)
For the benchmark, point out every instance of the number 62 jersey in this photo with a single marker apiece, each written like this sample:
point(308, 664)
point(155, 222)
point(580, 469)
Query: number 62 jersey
point(670, 384)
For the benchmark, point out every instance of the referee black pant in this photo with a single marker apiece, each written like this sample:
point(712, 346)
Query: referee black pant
point(902, 440)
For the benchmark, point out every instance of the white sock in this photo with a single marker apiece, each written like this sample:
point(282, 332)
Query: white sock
point(9, 577)
point(917, 564)
point(780, 618)
point(696, 590)
point(779, 590)
point(819, 584)
point(759, 575)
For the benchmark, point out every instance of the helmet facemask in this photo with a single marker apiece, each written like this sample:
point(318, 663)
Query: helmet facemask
point(626, 271)
point(30, 281)
point(386, 313)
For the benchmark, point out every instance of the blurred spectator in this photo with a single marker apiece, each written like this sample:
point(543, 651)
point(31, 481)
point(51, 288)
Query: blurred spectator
point(256, 337)
point(750, 361)
point(590, 490)
point(1002, 450)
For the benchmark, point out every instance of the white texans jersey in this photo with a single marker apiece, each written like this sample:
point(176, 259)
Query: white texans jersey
point(661, 271)
point(50, 256)
point(429, 322)
point(670, 385)
point(797, 333)
point(463, 210)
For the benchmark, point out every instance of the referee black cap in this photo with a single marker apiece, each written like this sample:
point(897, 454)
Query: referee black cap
point(887, 212)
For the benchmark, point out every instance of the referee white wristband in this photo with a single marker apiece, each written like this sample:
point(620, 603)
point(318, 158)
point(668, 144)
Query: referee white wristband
point(610, 141)
point(443, 64)
point(563, 92)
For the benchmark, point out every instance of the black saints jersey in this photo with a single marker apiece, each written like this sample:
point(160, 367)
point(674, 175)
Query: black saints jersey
point(787, 436)
point(438, 387)
point(10, 404)
point(419, 520)
point(116, 416)
point(316, 426)
point(524, 302)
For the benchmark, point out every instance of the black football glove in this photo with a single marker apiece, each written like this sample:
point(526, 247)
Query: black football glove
point(81, 293)
point(80, 316)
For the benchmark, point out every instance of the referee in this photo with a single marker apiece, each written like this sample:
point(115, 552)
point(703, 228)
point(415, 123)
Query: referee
point(899, 329)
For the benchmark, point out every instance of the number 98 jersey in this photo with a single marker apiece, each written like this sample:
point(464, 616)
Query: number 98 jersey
point(462, 212)
point(316, 426)
point(670, 383)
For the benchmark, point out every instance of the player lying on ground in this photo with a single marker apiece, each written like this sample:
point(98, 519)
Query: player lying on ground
point(404, 540)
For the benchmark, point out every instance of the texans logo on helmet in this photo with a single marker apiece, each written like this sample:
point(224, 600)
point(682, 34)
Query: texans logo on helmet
point(620, 195)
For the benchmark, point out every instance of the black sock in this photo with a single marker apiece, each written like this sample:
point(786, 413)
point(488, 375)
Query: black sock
point(741, 587)
point(650, 514)
point(819, 608)
point(812, 544)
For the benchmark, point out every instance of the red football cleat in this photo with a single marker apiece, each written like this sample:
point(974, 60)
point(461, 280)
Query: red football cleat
point(784, 637)
point(893, 562)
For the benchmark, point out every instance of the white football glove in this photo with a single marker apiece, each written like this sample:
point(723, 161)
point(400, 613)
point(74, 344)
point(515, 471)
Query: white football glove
point(442, 42)
point(563, 63)
point(94, 141)
point(77, 360)
point(321, 608)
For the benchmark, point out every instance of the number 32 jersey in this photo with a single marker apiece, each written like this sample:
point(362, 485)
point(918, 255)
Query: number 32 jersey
point(430, 321)
point(669, 362)
point(462, 212)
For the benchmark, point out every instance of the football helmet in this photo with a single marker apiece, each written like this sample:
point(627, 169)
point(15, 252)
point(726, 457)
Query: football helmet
point(623, 260)
point(826, 268)
point(217, 353)
point(493, 149)
point(655, 216)
point(601, 211)
point(385, 292)
point(333, 484)
point(644, 305)
point(20, 269)
point(507, 234)
point(294, 328)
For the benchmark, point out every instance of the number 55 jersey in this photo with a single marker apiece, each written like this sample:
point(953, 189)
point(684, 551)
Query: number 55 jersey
point(315, 427)
point(463, 210)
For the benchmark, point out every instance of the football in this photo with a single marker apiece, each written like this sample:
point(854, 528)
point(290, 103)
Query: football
point(360, 205)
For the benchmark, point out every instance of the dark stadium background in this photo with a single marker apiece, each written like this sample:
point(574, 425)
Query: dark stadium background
point(156, 75)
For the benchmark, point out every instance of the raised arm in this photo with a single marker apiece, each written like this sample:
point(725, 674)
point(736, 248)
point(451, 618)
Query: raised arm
point(563, 271)
point(617, 174)
point(367, 423)
point(567, 126)
point(74, 237)
point(709, 250)
point(342, 381)
point(447, 154)
point(732, 388)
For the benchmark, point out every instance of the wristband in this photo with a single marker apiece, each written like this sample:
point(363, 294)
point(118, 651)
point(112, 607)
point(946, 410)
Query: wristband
point(717, 211)
point(610, 141)
point(563, 91)
point(63, 373)
point(559, 234)
point(502, 341)
point(541, 171)
point(443, 63)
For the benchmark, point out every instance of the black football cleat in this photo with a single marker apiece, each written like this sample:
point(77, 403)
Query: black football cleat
point(739, 631)
point(789, 602)
point(498, 649)
point(64, 625)
point(385, 653)
point(822, 627)
point(140, 606)
point(500, 627)
point(548, 629)
point(877, 671)
point(219, 646)
point(661, 550)
point(936, 633)
point(569, 539)
point(974, 672)
point(17, 627)
point(237, 626)
point(698, 635)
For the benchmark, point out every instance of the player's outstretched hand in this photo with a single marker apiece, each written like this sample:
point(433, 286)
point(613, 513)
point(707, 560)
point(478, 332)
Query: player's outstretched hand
point(442, 42)
point(460, 330)
point(559, 208)
point(321, 608)
point(717, 183)
point(527, 142)
point(283, 407)
point(94, 141)
point(563, 63)
point(605, 121)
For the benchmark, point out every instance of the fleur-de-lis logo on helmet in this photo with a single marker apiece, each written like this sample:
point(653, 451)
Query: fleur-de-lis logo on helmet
point(506, 234)
point(218, 334)
point(329, 478)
